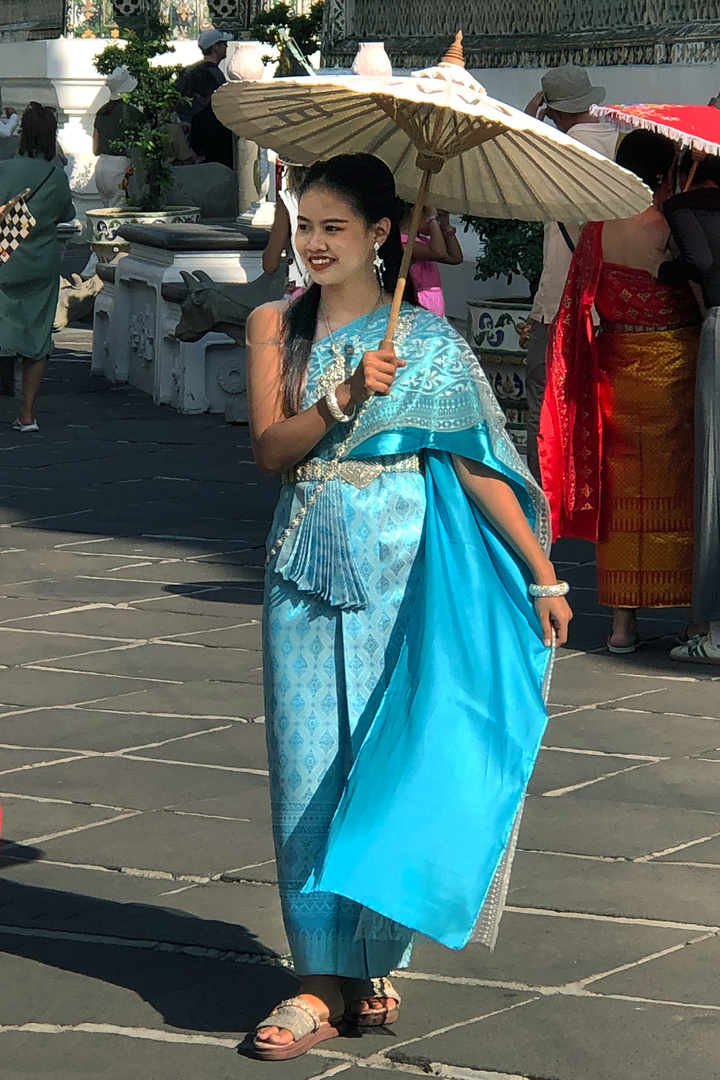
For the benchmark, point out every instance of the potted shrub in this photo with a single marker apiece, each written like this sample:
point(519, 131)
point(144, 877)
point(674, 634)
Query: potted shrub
point(296, 37)
point(147, 138)
point(497, 326)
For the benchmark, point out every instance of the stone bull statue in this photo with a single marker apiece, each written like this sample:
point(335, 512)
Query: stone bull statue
point(76, 299)
point(222, 306)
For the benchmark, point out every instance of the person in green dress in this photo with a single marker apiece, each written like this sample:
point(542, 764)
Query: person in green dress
point(30, 279)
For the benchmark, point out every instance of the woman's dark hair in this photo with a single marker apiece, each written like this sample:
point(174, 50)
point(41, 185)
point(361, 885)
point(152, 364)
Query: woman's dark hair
point(647, 154)
point(38, 132)
point(708, 170)
point(367, 184)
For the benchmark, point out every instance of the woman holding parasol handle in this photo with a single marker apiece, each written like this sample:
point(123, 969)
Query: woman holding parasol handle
point(410, 612)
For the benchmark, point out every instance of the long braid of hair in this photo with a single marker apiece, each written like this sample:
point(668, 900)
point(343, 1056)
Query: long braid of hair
point(367, 184)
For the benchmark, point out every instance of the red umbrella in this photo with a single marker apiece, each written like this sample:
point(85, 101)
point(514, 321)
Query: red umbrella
point(696, 127)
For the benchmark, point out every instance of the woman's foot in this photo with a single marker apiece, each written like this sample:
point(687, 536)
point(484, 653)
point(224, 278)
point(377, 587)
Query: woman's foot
point(322, 996)
point(624, 636)
point(25, 425)
point(371, 1002)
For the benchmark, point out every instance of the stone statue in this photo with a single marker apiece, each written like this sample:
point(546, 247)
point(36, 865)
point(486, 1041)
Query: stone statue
point(75, 300)
point(224, 307)
point(220, 306)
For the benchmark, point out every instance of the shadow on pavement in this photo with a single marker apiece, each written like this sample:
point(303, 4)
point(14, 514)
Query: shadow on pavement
point(221, 591)
point(198, 974)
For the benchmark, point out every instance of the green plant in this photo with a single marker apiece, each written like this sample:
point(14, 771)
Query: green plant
point(509, 248)
point(155, 98)
point(280, 23)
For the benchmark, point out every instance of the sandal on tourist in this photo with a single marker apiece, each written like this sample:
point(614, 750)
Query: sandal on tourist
point(622, 650)
point(699, 650)
point(19, 426)
point(305, 1024)
point(379, 995)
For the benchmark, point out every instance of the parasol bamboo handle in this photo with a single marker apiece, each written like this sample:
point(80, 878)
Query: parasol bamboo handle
point(387, 343)
point(691, 175)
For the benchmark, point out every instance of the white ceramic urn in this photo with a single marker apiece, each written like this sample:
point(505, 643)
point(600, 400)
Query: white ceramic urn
point(246, 63)
point(371, 59)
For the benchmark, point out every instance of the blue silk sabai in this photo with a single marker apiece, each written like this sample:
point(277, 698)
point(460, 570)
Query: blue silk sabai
point(440, 769)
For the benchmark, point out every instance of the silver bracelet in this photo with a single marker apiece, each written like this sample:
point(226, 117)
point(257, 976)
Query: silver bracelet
point(561, 588)
point(334, 409)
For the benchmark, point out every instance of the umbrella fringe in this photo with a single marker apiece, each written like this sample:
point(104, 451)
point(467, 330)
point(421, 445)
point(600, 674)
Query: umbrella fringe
point(692, 142)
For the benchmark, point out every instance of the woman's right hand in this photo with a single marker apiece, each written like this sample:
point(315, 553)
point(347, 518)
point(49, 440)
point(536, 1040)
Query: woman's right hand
point(374, 374)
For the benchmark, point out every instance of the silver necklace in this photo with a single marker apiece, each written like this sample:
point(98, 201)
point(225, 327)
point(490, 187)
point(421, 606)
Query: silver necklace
point(345, 354)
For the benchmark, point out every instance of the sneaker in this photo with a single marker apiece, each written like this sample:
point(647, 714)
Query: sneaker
point(698, 650)
point(18, 426)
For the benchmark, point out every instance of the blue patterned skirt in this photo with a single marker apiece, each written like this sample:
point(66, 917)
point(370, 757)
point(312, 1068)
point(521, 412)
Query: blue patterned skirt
point(325, 673)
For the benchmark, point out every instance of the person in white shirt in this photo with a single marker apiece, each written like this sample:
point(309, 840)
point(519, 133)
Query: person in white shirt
point(9, 124)
point(565, 98)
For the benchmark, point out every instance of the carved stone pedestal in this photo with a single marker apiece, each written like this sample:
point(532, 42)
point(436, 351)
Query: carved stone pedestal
point(103, 360)
point(135, 328)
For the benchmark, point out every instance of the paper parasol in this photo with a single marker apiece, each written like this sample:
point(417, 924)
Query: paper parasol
point(476, 155)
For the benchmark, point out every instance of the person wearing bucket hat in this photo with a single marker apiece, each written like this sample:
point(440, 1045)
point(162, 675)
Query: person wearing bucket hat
point(568, 90)
point(212, 44)
point(565, 98)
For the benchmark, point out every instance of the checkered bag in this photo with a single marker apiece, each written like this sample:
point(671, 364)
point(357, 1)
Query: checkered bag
point(16, 222)
point(16, 219)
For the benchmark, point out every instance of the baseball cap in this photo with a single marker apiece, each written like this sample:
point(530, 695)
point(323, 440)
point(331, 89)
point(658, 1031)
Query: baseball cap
point(211, 36)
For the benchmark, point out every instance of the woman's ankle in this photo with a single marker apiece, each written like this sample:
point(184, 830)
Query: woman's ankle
point(324, 989)
point(624, 621)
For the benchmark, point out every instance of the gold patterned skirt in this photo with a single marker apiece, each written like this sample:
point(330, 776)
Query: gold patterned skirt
point(645, 547)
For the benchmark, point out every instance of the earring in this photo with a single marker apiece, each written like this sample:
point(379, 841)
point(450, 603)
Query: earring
point(379, 264)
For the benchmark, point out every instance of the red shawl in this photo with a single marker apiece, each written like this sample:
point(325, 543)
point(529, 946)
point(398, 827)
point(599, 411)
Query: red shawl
point(570, 439)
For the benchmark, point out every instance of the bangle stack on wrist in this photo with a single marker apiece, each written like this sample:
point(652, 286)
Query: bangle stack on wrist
point(334, 409)
point(560, 588)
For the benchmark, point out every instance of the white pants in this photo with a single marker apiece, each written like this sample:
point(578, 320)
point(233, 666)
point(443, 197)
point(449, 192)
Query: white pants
point(109, 171)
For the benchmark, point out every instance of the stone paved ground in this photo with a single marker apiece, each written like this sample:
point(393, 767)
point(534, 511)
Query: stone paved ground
point(140, 927)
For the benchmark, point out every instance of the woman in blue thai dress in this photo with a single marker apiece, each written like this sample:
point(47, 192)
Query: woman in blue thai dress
point(410, 611)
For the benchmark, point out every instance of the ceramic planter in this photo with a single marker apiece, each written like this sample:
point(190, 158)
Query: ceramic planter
point(496, 333)
point(103, 226)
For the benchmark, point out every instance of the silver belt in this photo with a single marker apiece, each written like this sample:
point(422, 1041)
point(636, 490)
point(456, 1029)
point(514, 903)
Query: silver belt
point(356, 471)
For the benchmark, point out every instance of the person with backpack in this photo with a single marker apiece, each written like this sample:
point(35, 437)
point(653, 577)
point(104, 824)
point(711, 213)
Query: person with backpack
point(111, 125)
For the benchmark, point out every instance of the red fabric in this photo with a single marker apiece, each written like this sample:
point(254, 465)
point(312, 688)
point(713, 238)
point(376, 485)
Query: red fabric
point(570, 439)
point(628, 296)
point(685, 124)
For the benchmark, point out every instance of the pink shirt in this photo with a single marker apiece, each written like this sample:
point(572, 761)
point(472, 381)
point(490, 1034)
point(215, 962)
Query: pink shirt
point(427, 281)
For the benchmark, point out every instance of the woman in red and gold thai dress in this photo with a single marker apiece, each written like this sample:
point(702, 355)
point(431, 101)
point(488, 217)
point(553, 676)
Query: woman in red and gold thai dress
point(616, 431)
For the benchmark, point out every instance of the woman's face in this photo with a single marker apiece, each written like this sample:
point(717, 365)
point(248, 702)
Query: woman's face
point(334, 242)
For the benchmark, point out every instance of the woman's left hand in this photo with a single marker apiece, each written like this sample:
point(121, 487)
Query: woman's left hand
point(555, 614)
